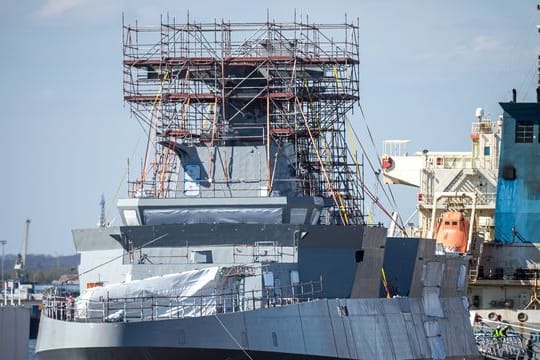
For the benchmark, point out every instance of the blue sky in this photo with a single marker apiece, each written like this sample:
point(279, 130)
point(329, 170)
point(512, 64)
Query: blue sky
point(65, 133)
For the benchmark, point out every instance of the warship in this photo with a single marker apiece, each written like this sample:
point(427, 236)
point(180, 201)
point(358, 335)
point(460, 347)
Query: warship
point(244, 237)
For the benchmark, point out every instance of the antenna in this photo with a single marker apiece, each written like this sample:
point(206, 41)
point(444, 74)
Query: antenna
point(102, 222)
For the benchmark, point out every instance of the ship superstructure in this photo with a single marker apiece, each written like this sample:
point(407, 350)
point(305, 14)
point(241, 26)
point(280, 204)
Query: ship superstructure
point(464, 181)
point(246, 125)
point(244, 235)
point(245, 110)
point(460, 182)
point(492, 188)
point(503, 234)
point(491, 193)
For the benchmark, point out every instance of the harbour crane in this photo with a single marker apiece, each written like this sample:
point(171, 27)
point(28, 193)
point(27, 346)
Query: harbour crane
point(20, 263)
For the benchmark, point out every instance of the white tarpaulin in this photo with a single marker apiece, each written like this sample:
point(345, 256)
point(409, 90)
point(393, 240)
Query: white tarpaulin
point(190, 293)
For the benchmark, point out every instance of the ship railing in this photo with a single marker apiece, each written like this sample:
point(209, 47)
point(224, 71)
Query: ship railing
point(144, 308)
point(248, 188)
point(510, 346)
point(481, 199)
point(485, 126)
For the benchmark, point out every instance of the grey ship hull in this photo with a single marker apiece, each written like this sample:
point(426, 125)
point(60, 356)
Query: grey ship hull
point(169, 353)
point(322, 329)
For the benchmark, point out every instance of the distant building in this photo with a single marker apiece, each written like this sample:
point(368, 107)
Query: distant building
point(67, 279)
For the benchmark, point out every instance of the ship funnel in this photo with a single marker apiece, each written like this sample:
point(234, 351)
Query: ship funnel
point(514, 95)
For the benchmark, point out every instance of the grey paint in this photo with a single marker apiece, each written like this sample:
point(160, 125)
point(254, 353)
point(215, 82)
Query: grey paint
point(373, 329)
point(399, 260)
point(368, 271)
point(227, 234)
point(174, 210)
point(96, 239)
point(335, 261)
point(336, 267)
point(330, 255)
point(233, 171)
point(356, 328)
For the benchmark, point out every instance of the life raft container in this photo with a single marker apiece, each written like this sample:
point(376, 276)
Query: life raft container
point(387, 162)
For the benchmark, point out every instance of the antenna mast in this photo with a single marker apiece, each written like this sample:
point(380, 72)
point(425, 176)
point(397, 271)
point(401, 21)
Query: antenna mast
point(102, 222)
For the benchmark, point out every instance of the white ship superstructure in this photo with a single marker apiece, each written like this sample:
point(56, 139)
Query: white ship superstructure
point(502, 278)
point(464, 181)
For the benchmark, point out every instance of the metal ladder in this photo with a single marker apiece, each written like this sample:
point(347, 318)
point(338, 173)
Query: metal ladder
point(477, 252)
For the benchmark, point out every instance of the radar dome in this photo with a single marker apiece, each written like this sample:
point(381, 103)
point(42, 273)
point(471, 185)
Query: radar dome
point(479, 112)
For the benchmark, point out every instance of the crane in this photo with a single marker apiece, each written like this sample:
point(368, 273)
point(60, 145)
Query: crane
point(20, 263)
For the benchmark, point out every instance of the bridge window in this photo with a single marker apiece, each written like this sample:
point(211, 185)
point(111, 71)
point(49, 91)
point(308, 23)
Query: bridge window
point(202, 257)
point(524, 132)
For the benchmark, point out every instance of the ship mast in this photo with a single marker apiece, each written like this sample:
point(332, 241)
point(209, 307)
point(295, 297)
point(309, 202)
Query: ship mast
point(102, 221)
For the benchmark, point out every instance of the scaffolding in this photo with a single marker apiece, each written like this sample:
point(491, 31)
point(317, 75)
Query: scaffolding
point(224, 84)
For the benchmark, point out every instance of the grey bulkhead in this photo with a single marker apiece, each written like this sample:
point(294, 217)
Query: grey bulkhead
point(237, 171)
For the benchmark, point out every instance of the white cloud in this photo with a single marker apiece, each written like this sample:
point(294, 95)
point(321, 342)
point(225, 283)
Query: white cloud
point(58, 7)
point(478, 47)
point(482, 44)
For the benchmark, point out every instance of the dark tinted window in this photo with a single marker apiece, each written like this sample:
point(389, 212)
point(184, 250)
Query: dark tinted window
point(524, 132)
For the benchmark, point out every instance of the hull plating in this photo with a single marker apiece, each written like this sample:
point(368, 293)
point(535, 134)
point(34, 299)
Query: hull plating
point(324, 329)
point(146, 353)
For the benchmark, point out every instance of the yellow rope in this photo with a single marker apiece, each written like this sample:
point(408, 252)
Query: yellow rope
point(374, 198)
point(212, 138)
point(385, 284)
point(185, 105)
point(351, 140)
point(156, 100)
point(336, 76)
point(348, 126)
point(338, 199)
point(325, 174)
